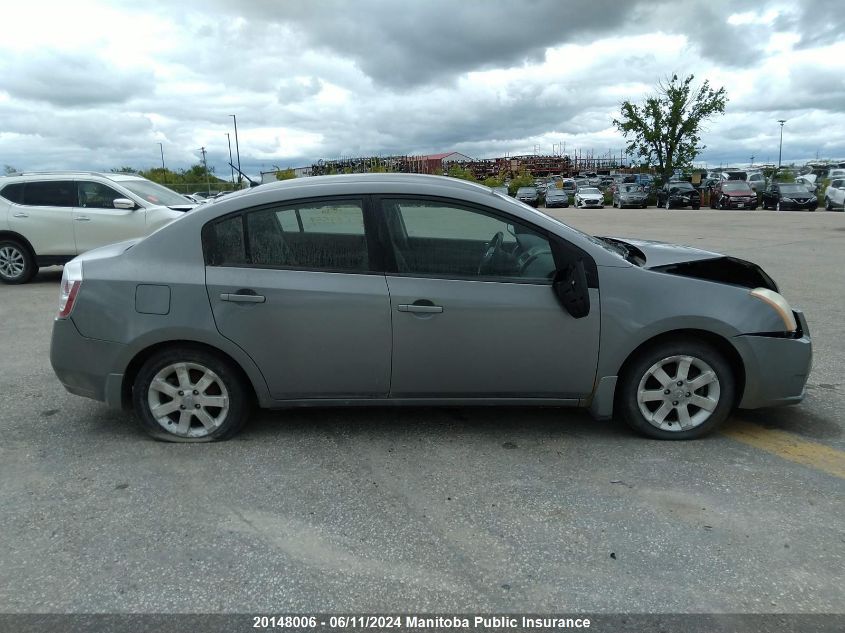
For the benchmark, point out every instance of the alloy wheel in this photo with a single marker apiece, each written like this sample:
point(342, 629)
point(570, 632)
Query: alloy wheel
point(678, 393)
point(12, 262)
point(188, 400)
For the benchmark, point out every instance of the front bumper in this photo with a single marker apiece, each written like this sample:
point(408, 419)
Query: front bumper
point(776, 368)
point(733, 203)
point(84, 365)
point(556, 204)
point(685, 202)
point(792, 205)
point(594, 204)
point(632, 202)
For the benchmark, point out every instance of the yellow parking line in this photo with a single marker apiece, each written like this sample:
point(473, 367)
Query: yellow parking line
point(788, 446)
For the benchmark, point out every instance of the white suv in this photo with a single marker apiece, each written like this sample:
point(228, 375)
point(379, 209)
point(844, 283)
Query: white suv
point(834, 195)
point(50, 218)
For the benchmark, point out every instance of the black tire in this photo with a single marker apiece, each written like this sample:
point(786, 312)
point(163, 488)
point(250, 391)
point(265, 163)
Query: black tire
point(764, 204)
point(239, 397)
point(15, 254)
point(827, 205)
point(696, 206)
point(627, 401)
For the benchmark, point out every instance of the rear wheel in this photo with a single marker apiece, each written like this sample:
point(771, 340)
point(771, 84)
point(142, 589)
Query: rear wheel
point(190, 395)
point(17, 265)
point(677, 390)
point(827, 205)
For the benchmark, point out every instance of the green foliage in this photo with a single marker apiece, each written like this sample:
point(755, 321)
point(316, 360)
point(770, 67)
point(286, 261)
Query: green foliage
point(285, 174)
point(521, 179)
point(124, 170)
point(184, 180)
point(665, 130)
point(456, 171)
point(8, 169)
point(493, 181)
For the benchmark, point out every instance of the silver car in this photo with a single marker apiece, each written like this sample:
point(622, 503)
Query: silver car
point(411, 289)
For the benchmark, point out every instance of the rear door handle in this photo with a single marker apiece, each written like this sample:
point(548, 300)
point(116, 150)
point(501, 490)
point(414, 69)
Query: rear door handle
point(82, 218)
point(243, 298)
point(420, 308)
point(20, 215)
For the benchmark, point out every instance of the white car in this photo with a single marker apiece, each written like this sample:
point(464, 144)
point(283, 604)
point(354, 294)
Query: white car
point(589, 197)
point(48, 218)
point(834, 195)
point(836, 172)
point(756, 180)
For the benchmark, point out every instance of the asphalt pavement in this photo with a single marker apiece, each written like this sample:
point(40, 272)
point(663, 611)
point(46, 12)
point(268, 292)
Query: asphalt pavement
point(423, 509)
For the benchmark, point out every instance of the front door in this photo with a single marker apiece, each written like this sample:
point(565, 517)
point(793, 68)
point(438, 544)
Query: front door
point(295, 287)
point(96, 222)
point(474, 313)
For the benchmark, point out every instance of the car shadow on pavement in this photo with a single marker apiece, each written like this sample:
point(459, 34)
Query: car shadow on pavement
point(793, 420)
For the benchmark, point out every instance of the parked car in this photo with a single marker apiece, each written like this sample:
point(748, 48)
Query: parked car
point(586, 197)
point(48, 218)
point(757, 181)
point(733, 194)
point(529, 196)
point(788, 196)
point(733, 174)
point(809, 182)
point(630, 195)
point(569, 186)
point(834, 195)
point(836, 172)
point(556, 198)
point(678, 193)
point(405, 289)
point(502, 190)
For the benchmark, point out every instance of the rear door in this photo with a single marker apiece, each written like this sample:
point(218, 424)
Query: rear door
point(299, 287)
point(45, 216)
point(471, 323)
point(97, 222)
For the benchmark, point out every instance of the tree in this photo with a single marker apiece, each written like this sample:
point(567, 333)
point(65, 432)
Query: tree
point(285, 174)
point(520, 179)
point(8, 170)
point(456, 171)
point(493, 181)
point(665, 129)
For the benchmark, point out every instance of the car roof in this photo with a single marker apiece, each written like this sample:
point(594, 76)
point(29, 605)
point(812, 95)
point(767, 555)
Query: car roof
point(47, 175)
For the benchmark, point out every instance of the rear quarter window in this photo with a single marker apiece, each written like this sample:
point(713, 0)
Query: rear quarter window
point(13, 192)
point(223, 242)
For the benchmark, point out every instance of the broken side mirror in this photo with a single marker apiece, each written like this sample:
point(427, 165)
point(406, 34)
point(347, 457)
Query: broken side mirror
point(570, 287)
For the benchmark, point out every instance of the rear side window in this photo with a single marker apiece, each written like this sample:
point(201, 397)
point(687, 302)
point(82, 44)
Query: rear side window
point(325, 235)
point(13, 192)
point(50, 193)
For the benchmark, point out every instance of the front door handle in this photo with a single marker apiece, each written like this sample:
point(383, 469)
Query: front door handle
point(82, 218)
point(420, 308)
point(20, 215)
point(243, 298)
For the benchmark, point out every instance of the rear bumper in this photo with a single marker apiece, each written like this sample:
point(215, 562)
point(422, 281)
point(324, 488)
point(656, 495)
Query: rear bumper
point(776, 369)
point(84, 365)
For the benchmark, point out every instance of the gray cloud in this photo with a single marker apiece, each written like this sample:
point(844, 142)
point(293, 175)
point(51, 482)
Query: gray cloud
point(71, 79)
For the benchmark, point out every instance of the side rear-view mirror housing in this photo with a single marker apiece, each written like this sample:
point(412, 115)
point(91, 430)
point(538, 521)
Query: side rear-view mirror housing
point(570, 287)
point(123, 203)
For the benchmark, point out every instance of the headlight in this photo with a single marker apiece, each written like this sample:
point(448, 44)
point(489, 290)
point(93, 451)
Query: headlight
point(779, 304)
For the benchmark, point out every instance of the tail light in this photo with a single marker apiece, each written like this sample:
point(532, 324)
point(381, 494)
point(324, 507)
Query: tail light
point(71, 281)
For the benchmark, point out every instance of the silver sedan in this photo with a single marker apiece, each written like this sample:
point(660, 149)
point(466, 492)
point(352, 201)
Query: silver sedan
point(409, 289)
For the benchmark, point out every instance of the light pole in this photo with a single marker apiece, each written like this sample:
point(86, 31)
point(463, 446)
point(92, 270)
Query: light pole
point(229, 141)
point(237, 147)
point(163, 170)
point(780, 147)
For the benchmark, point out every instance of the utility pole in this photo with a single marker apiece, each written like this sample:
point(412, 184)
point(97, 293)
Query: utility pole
point(780, 147)
point(231, 164)
point(237, 147)
point(163, 170)
point(205, 166)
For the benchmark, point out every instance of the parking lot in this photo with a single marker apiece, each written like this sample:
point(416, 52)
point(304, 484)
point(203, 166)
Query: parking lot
point(496, 509)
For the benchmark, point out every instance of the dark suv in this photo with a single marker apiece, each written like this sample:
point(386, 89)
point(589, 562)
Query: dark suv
point(678, 193)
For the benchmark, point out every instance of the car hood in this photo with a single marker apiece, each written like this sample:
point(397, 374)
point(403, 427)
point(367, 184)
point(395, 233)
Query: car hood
point(662, 253)
point(696, 263)
point(738, 194)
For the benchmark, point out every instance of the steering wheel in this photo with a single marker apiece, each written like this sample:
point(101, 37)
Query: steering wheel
point(492, 249)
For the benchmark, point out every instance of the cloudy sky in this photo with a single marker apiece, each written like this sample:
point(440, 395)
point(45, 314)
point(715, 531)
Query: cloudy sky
point(96, 85)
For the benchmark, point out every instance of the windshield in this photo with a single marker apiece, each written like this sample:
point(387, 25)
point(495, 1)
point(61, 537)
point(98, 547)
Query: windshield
point(631, 188)
point(154, 193)
point(526, 191)
point(792, 189)
point(736, 186)
point(681, 185)
point(590, 190)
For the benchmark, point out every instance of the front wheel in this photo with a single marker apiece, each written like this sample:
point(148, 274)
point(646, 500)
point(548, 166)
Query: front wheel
point(676, 390)
point(667, 205)
point(777, 206)
point(189, 395)
point(827, 205)
point(17, 266)
point(696, 206)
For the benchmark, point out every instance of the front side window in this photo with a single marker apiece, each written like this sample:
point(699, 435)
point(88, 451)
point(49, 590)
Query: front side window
point(434, 238)
point(93, 195)
point(50, 193)
point(325, 235)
